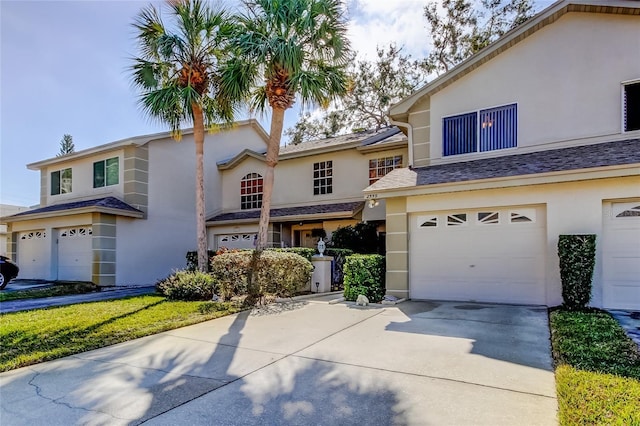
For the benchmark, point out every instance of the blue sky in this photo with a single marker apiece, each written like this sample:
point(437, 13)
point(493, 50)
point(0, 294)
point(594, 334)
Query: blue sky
point(63, 69)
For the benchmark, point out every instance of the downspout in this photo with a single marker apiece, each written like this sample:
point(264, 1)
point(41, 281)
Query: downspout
point(410, 136)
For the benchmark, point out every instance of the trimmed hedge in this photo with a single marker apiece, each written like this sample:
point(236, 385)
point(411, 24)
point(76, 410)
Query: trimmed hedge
point(279, 273)
point(307, 253)
point(187, 285)
point(364, 274)
point(577, 255)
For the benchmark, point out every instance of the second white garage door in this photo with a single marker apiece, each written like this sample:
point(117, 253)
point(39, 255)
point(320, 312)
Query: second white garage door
point(75, 253)
point(488, 255)
point(237, 241)
point(33, 255)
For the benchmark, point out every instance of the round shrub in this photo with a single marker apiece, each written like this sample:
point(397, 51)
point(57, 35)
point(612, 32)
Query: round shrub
point(364, 274)
point(187, 285)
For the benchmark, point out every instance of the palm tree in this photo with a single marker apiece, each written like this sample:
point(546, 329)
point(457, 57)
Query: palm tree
point(177, 74)
point(284, 49)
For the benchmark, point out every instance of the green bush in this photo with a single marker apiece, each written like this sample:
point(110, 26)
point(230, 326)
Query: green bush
point(577, 255)
point(278, 273)
point(361, 238)
point(192, 259)
point(307, 253)
point(187, 285)
point(364, 274)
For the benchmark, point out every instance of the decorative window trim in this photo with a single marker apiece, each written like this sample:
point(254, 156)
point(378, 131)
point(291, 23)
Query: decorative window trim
point(379, 167)
point(457, 219)
point(61, 181)
point(427, 221)
point(624, 103)
point(110, 169)
point(522, 216)
point(33, 235)
point(477, 131)
point(323, 177)
point(251, 190)
point(488, 218)
point(78, 232)
point(625, 210)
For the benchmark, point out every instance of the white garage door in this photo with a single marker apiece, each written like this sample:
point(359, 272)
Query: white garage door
point(237, 241)
point(33, 255)
point(74, 253)
point(488, 255)
point(621, 256)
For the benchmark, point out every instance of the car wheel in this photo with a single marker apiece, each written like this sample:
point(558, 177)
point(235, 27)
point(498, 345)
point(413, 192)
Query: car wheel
point(3, 281)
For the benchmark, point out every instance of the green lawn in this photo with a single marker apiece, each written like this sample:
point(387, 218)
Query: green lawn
point(598, 369)
point(44, 334)
point(57, 290)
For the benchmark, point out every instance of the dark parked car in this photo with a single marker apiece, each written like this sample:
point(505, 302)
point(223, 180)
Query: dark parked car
point(8, 271)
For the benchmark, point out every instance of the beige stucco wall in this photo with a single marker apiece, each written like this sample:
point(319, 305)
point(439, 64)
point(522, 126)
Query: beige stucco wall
point(82, 180)
point(566, 79)
point(151, 248)
point(293, 184)
point(574, 207)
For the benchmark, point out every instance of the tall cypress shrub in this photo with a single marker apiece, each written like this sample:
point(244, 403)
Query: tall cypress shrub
point(577, 255)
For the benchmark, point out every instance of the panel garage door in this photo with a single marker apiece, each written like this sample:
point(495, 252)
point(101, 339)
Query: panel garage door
point(74, 253)
point(621, 256)
point(33, 255)
point(237, 241)
point(488, 255)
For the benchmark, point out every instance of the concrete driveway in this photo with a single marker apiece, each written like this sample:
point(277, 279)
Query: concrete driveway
point(307, 363)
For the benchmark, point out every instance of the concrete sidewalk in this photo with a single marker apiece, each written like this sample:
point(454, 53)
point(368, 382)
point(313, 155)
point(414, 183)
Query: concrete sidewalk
point(304, 363)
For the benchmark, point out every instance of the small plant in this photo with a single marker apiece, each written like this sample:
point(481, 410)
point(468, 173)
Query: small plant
point(577, 255)
point(187, 285)
point(364, 274)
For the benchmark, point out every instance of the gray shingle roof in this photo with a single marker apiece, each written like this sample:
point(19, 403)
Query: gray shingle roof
point(107, 202)
point(556, 160)
point(606, 154)
point(351, 209)
point(367, 137)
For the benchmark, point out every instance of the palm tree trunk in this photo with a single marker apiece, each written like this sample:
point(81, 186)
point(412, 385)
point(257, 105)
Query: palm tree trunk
point(273, 150)
point(201, 230)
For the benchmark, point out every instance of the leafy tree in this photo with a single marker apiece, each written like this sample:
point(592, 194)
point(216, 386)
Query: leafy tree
point(177, 74)
point(66, 146)
point(375, 86)
point(284, 49)
point(458, 30)
point(361, 238)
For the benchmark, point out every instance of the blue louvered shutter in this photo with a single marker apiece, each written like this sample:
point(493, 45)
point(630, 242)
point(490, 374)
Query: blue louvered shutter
point(498, 128)
point(459, 134)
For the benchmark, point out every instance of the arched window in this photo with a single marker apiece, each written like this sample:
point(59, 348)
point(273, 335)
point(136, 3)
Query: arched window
point(251, 191)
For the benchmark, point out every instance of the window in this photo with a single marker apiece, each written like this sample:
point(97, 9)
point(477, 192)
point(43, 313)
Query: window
point(488, 218)
point(61, 182)
point(632, 106)
point(428, 222)
point(105, 172)
point(480, 131)
point(457, 219)
point(251, 191)
point(379, 167)
point(323, 177)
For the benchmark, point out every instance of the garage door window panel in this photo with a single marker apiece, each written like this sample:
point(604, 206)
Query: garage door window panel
point(457, 219)
point(522, 216)
point(488, 218)
point(428, 222)
point(632, 211)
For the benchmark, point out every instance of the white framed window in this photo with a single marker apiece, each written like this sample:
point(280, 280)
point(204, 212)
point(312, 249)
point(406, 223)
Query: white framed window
point(251, 187)
point(378, 167)
point(323, 178)
point(428, 221)
point(625, 210)
point(479, 131)
point(33, 235)
point(631, 106)
point(76, 232)
point(522, 216)
point(457, 219)
point(61, 181)
point(488, 218)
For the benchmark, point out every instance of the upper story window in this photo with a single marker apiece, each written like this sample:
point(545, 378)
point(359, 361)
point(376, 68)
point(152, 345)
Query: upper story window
point(323, 177)
point(61, 181)
point(632, 106)
point(251, 191)
point(479, 131)
point(106, 172)
point(379, 167)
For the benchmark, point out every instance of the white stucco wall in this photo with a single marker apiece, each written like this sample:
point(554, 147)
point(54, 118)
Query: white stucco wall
point(566, 79)
point(149, 249)
point(571, 208)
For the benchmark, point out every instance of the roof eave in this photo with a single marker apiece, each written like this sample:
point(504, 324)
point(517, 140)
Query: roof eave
point(71, 212)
